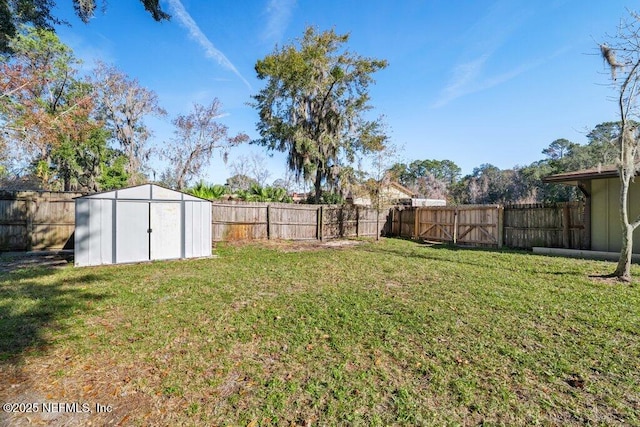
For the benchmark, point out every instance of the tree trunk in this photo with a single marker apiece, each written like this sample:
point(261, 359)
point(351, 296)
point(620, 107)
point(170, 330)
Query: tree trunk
point(318, 186)
point(65, 175)
point(623, 270)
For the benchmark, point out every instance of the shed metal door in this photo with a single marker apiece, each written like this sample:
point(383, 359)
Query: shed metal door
point(132, 237)
point(166, 230)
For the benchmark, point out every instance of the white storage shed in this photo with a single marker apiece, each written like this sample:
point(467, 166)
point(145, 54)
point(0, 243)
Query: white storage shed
point(141, 223)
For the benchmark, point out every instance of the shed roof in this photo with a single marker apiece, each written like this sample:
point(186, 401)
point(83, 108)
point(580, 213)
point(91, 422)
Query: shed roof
point(144, 192)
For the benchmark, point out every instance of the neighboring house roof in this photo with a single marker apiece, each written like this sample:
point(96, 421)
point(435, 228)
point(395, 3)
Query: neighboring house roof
point(391, 191)
point(402, 189)
point(299, 197)
point(599, 172)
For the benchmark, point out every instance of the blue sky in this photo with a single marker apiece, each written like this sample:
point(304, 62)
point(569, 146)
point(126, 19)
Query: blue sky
point(470, 81)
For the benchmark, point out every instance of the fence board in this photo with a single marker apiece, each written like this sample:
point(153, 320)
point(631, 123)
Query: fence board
point(291, 222)
point(13, 225)
point(45, 220)
point(36, 220)
point(519, 226)
point(554, 226)
point(479, 225)
point(436, 223)
point(246, 221)
point(403, 222)
point(238, 221)
point(332, 222)
point(372, 223)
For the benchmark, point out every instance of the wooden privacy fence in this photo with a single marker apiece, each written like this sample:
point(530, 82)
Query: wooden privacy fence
point(247, 221)
point(477, 225)
point(553, 226)
point(518, 226)
point(36, 220)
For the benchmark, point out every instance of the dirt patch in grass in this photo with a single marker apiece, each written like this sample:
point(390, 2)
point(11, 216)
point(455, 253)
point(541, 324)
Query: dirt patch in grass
point(64, 391)
point(607, 279)
point(13, 261)
point(298, 245)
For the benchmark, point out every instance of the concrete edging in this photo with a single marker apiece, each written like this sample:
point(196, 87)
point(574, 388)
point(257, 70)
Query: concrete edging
point(580, 253)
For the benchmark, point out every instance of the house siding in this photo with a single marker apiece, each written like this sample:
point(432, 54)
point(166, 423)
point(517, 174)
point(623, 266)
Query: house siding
point(606, 234)
point(389, 195)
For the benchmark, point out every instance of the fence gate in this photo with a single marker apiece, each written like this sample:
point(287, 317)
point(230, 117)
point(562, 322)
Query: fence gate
point(437, 223)
point(478, 225)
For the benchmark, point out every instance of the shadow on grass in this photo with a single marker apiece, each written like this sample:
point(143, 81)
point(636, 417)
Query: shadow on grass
point(31, 308)
point(17, 261)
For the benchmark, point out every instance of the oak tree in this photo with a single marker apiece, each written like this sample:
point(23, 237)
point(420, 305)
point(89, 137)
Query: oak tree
point(38, 13)
point(249, 169)
point(43, 104)
point(314, 103)
point(197, 135)
point(123, 105)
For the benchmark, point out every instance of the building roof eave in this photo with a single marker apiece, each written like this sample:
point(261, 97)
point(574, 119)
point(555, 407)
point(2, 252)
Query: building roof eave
point(600, 172)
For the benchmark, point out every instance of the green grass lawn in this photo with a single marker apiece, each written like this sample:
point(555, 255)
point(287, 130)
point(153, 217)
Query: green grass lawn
point(387, 333)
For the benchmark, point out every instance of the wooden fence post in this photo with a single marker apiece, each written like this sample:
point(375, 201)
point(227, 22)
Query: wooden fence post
point(416, 223)
point(566, 232)
point(320, 225)
point(586, 224)
point(31, 213)
point(357, 221)
point(268, 222)
point(393, 220)
point(500, 226)
point(455, 225)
